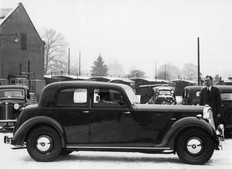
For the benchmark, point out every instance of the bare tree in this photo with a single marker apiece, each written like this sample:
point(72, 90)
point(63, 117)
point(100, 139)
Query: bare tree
point(189, 72)
point(116, 69)
point(168, 72)
point(55, 52)
point(136, 73)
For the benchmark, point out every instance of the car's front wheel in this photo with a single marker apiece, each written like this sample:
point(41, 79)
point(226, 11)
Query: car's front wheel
point(195, 146)
point(44, 144)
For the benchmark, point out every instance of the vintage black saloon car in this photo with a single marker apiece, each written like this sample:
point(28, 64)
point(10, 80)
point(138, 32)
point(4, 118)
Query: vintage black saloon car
point(191, 96)
point(12, 99)
point(98, 116)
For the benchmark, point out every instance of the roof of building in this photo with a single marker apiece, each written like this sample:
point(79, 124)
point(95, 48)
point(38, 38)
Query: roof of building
point(5, 14)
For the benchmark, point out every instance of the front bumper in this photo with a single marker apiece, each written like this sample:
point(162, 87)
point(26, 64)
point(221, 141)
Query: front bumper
point(7, 140)
point(4, 124)
point(220, 132)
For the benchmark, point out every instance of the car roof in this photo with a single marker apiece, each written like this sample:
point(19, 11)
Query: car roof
point(49, 92)
point(13, 87)
point(222, 88)
point(84, 83)
point(165, 87)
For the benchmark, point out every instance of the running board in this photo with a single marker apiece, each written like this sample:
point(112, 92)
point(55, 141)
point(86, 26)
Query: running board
point(113, 147)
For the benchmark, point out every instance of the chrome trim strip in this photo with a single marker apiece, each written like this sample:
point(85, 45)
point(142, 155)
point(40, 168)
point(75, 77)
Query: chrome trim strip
point(2, 121)
point(6, 110)
point(137, 148)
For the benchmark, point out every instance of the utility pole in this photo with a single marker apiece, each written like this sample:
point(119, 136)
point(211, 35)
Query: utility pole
point(155, 71)
point(79, 63)
point(68, 61)
point(165, 72)
point(198, 62)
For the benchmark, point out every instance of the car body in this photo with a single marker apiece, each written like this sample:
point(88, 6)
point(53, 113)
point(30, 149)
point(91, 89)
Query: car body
point(100, 116)
point(191, 96)
point(13, 98)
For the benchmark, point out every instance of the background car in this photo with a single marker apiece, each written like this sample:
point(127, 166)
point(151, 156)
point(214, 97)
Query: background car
point(191, 96)
point(164, 95)
point(13, 98)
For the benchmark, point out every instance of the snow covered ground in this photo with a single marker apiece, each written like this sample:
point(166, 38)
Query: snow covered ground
point(19, 159)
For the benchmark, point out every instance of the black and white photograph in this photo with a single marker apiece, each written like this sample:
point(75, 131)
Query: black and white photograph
point(124, 84)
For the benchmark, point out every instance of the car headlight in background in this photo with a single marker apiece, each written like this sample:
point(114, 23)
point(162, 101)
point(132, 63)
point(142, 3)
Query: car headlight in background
point(16, 106)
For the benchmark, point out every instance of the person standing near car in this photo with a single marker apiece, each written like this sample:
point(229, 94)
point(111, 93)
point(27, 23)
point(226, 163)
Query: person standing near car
point(210, 95)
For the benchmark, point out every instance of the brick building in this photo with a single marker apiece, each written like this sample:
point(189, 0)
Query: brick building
point(21, 49)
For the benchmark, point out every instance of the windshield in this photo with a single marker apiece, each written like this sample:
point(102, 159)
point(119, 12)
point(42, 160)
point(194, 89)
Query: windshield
point(11, 94)
point(131, 95)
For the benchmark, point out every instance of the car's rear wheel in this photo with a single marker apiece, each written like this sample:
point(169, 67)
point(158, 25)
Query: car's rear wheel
point(195, 146)
point(44, 144)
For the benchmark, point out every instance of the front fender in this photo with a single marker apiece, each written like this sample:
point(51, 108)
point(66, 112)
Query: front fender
point(184, 123)
point(21, 133)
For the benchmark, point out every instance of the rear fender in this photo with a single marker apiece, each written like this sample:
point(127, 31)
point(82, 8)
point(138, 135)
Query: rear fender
point(22, 132)
point(184, 123)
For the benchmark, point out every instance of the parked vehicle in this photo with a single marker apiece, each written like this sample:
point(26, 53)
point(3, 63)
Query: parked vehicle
point(146, 92)
point(164, 95)
point(180, 84)
point(224, 82)
point(100, 116)
point(191, 96)
point(13, 98)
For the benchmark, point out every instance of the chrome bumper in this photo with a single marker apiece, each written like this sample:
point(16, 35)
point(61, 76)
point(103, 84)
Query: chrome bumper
point(7, 123)
point(220, 132)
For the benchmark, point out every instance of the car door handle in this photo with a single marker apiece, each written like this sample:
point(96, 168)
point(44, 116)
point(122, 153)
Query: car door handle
point(85, 111)
point(173, 119)
point(127, 112)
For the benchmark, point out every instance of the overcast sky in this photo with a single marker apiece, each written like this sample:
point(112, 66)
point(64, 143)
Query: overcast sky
point(138, 33)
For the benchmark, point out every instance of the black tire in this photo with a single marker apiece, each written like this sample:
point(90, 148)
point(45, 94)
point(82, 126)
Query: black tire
point(195, 146)
point(49, 147)
point(65, 152)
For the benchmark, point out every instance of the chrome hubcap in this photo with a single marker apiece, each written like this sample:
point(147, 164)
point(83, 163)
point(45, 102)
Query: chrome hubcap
point(44, 143)
point(194, 145)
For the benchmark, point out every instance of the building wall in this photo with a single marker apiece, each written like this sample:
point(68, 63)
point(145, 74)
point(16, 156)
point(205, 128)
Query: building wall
point(14, 60)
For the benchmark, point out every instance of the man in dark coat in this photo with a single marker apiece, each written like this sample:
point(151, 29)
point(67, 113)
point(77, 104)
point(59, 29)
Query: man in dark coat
point(211, 96)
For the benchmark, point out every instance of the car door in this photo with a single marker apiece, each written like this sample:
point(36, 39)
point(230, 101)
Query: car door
point(111, 122)
point(151, 125)
point(73, 114)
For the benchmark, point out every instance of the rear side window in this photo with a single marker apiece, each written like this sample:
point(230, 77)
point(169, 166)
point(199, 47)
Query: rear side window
point(72, 97)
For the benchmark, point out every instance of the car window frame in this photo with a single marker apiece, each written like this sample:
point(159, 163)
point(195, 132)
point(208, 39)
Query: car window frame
point(95, 106)
point(74, 105)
